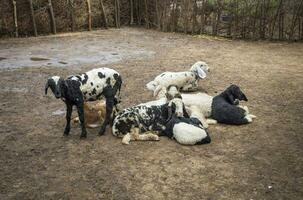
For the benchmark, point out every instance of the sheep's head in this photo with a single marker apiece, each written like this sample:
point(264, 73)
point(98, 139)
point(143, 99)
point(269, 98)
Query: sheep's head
point(54, 83)
point(234, 94)
point(172, 91)
point(200, 68)
point(175, 107)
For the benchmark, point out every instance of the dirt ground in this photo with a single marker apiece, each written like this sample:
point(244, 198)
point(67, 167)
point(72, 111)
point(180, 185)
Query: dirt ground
point(262, 160)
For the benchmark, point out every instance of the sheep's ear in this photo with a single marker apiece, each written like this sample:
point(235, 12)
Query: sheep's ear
point(185, 113)
point(169, 111)
point(201, 73)
point(46, 86)
point(157, 90)
point(230, 97)
point(244, 97)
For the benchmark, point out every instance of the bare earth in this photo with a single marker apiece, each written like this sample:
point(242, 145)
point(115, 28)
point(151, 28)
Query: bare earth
point(262, 160)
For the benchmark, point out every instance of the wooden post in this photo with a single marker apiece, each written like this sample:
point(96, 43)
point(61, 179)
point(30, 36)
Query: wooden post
point(33, 17)
point(15, 19)
point(72, 16)
point(52, 17)
point(89, 15)
point(103, 14)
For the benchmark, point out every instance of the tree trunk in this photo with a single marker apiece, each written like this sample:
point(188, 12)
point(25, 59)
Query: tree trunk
point(103, 14)
point(33, 17)
point(275, 19)
point(255, 20)
point(15, 19)
point(157, 15)
point(146, 19)
point(72, 16)
point(52, 17)
point(185, 15)
point(294, 21)
point(89, 15)
point(131, 12)
point(139, 17)
point(195, 8)
point(281, 25)
point(202, 25)
point(117, 13)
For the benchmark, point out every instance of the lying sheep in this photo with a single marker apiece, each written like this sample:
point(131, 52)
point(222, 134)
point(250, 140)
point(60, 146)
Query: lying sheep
point(187, 131)
point(222, 108)
point(225, 107)
point(186, 81)
point(145, 122)
point(203, 106)
point(94, 113)
point(90, 86)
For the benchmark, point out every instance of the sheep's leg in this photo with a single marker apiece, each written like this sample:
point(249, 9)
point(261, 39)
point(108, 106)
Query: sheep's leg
point(148, 137)
point(134, 134)
point(81, 118)
point(189, 88)
point(204, 122)
point(126, 139)
point(109, 110)
point(69, 110)
point(211, 121)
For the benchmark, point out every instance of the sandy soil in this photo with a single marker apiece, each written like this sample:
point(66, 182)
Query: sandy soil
point(262, 160)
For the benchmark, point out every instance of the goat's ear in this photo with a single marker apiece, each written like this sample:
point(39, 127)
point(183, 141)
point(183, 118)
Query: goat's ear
point(201, 73)
point(46, 86)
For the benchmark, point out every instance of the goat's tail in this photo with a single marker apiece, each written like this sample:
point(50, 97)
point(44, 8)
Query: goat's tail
point(152, 85)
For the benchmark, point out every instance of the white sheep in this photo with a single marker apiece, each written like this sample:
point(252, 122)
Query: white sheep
point(185, 81)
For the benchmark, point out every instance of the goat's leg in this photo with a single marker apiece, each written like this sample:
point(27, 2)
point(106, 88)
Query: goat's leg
point(81, 118)
point(109, 110)
point(69, 110)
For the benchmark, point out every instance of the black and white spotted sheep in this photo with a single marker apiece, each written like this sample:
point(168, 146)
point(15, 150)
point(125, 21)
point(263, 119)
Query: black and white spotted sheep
point(185, 81)
point(93, 85)
point(143, 122)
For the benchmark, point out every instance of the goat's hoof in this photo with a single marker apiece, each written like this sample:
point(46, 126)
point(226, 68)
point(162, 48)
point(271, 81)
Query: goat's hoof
point(83, 136)
point(65, 134)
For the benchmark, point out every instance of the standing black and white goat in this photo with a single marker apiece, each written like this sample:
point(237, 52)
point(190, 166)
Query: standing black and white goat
point(186, 81)
point(146, 122)
point(187, 131)
point(92, 85)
